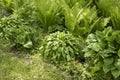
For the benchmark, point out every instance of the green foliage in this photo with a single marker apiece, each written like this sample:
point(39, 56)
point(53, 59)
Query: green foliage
point(71, 3)
point(5, 7)
point(21, 22)
point(21, 26)
point(48, 12)
point(76, 70)
point(18, 31)
point(61, 46)
point(26, 10)
point(110, 8)
point(81, 20)
point(10, 6)
point(102, 52)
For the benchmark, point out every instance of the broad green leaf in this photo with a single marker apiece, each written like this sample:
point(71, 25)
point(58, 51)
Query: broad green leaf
point(97, 67)
point(108, 61)
point(115, 73)
point(106, 68)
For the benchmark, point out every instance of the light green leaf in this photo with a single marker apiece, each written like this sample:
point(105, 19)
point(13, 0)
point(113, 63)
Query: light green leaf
point(28, 44)
point(105, 21)
point(68, 58)
point(95, 47)
point(97, 67)
point(89, 53)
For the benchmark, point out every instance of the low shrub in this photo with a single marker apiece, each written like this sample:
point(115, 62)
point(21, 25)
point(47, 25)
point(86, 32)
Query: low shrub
point(61, 46)
point(18, 31)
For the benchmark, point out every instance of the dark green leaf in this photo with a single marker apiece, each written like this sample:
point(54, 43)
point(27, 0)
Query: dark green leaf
point(108, 61)
point(115, 73)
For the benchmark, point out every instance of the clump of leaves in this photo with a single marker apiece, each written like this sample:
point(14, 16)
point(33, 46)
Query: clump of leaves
point(103, 53)
point(48, 12)
point(61, 46)
point(71, 3)
point(18, 32)
point(6, 7)
point(25, 9)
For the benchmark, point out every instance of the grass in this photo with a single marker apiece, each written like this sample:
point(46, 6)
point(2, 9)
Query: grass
point(19, 66)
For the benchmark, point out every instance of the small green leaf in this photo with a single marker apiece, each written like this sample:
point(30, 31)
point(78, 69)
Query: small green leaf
point(28, 44)
point(68, 58)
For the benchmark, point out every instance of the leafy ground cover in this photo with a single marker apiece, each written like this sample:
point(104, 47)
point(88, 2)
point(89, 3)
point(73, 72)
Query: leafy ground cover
point(43, 38)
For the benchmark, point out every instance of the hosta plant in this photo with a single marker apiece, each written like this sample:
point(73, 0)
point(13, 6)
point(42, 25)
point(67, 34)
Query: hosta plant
point(103, 53)
point(61, 46)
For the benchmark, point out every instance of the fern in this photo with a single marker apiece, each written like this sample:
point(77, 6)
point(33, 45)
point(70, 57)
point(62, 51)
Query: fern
point(110, 8)
point(48, 12)
point(82, 19)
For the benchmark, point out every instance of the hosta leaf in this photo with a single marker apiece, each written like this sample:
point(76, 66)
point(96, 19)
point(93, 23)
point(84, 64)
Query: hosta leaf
point(106, 68)
point(28, 44)
point(115, 73)
point(108, 61)
point(95, 47)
